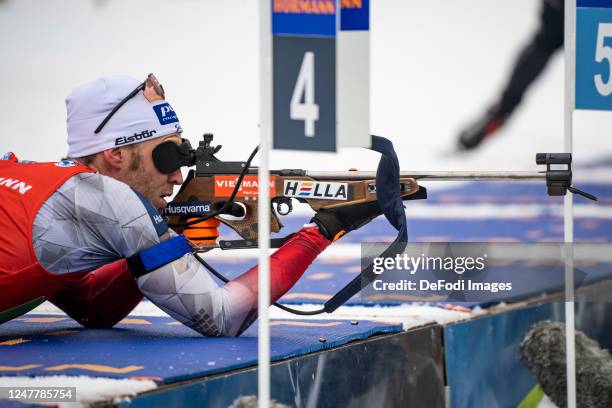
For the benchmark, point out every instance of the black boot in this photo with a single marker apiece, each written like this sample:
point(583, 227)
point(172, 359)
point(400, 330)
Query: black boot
point(486, 126)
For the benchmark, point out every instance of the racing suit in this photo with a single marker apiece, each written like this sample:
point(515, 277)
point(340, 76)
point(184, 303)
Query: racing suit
point(65, 232)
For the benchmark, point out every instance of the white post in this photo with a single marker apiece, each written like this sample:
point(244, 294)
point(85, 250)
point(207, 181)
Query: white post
point(568, 216)
point(265, 103)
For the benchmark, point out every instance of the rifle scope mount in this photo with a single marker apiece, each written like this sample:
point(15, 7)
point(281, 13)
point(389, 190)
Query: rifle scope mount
point(208, 164)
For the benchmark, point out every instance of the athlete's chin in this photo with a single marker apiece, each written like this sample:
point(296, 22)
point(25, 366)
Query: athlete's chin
point(160, 203)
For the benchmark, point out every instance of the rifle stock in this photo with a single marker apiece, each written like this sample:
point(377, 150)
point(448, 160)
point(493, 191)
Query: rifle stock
point(318, 194)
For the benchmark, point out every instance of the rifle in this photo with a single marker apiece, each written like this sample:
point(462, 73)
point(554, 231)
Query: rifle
point(218, 188)
point(230, 189)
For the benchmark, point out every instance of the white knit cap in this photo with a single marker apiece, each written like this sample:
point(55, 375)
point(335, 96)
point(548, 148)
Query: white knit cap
point(136, 121)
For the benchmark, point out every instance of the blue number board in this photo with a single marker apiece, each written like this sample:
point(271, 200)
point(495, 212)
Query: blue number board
point(594, 54)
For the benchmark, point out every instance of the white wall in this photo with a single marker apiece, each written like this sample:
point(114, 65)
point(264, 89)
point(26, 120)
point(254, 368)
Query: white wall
point(435, 65)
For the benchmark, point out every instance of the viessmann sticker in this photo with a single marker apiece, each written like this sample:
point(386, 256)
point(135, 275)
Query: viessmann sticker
point(316, 189)
point(224, 186)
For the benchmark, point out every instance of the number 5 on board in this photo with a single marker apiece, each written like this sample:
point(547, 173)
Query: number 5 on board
point(603, 52)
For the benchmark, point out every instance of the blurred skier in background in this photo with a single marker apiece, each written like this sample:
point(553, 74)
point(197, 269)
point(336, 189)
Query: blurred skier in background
point(531, 62)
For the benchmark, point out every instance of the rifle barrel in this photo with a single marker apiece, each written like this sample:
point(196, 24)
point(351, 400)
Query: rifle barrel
point(434, 175)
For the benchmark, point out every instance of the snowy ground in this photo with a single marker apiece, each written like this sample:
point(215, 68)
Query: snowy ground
point(410, 315)
point(89, 389)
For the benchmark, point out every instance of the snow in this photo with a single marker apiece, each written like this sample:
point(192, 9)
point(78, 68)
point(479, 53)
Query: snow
point(89, 389)
point(409, 315)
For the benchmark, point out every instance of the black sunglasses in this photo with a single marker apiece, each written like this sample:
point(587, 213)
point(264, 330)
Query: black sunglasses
point(168, 156)
point(153, 92)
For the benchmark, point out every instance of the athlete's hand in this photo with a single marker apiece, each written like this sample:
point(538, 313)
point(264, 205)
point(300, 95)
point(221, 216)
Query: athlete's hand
point(335, 222)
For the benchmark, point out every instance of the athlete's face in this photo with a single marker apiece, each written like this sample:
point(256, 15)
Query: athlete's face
point(144, 177)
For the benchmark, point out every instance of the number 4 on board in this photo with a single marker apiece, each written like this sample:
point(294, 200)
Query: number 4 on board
point(308, 111)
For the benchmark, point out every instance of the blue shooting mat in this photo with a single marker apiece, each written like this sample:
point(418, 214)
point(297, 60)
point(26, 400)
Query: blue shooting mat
point(16, 404)
point(159, 348)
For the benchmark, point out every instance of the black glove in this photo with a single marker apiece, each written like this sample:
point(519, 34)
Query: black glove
point(335, 222)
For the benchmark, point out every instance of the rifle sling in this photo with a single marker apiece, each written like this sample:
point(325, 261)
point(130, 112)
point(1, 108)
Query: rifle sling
point(389, 199)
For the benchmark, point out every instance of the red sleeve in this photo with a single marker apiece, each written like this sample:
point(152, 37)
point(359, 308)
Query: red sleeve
point(289, 262)
point(102, 298)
